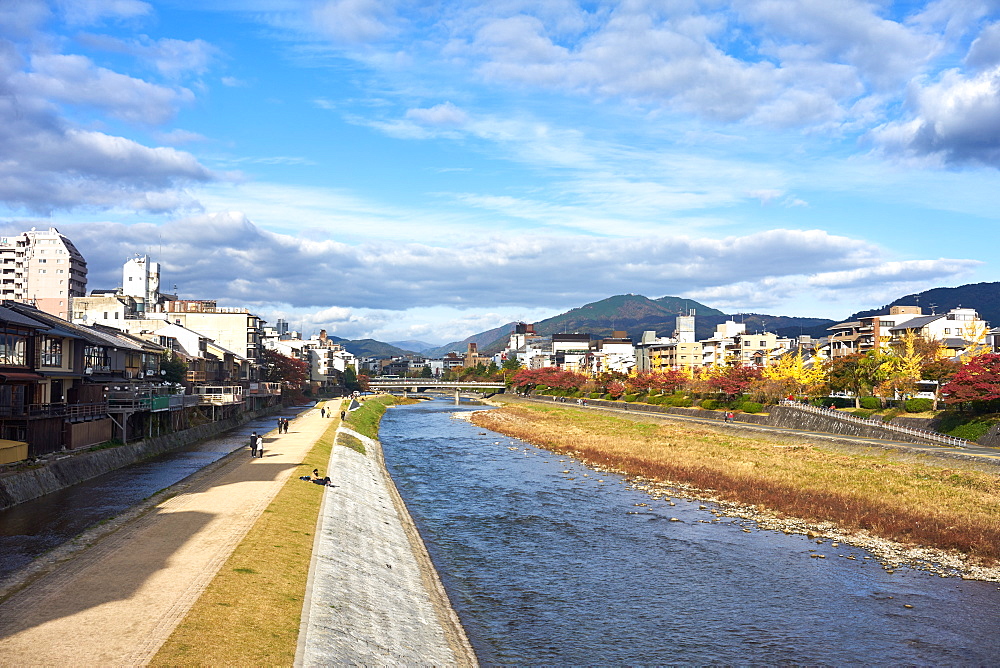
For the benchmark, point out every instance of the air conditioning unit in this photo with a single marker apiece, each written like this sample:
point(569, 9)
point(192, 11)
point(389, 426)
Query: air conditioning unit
point(89, 370)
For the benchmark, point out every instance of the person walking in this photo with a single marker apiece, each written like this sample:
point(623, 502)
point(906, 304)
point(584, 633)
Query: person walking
point(260, 446)
point(253, 445)
point(322, 412)
point(286, 424)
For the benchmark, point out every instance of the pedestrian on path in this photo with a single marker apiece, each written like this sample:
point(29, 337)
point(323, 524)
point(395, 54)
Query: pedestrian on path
point(286, 424)
point(253, 444)
point(260, 446)
point(343, 414)
point(322, 412)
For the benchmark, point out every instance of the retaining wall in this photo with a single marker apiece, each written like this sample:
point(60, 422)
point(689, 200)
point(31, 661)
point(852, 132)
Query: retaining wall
point(777, 416)
point(60, 472)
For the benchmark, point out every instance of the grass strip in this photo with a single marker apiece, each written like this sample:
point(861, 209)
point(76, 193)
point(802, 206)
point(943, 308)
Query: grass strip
point(250, 613)
point(948, 507)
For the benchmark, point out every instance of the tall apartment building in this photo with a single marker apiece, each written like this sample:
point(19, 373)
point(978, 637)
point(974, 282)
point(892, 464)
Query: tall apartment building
point(43, 268)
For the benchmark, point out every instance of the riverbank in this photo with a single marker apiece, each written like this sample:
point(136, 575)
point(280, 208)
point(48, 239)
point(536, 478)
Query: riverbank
point(61, 470)
point(942, 518)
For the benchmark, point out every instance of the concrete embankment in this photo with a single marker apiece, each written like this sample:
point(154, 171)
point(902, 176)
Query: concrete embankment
point(374, 596)
point(784, 417)
point(63, 471)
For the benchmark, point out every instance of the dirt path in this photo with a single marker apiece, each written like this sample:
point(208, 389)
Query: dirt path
point(116, 602)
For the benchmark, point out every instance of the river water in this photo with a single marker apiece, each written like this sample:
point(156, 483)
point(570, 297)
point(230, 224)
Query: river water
point(30, 529)
point(549, 562)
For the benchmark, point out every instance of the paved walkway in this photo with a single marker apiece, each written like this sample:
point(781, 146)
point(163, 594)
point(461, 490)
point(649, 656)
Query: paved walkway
point(374, 598)
point(118, 601)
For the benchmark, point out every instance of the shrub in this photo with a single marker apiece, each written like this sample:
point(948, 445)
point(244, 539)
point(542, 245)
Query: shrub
point(919, 405)
point(680, 401)
point(871, 403)
point(751, 407)
point(629, 397)
point(862, 413)
point(710, 404)
point(971, 431)
point(595, 395)
point(608, 397)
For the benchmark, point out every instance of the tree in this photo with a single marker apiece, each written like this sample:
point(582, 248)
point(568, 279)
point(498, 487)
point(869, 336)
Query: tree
point(794, 375)
point(977, 381)
point(351, 379)
point(663, 381)
point(426, 372)
point(292, 373)
point(939, 371)
point(904, 365)
point(175, 367)
point(512, 364)
point(733, 381)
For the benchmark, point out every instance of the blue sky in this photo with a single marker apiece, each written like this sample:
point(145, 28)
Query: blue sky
point(415, 170)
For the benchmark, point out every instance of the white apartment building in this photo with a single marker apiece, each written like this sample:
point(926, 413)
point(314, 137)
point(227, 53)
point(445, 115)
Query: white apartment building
point(42, 268)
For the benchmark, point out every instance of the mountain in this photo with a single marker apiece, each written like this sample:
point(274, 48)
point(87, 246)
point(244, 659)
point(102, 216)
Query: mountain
point(984, 297)
point(633, 314)
point(373, 348)
point(485, 341)
point(415, 346)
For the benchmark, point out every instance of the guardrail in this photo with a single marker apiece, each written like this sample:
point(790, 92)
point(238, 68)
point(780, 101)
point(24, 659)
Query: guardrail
point(926, 434)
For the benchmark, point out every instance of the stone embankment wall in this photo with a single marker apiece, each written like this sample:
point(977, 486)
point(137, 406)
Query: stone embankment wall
point(63, 471)
point(777, 416)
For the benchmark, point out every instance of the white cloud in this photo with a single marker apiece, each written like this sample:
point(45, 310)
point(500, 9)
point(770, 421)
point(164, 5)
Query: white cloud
point(76, 80)
point(956, 121)
point(88, 12)
point(354, 21)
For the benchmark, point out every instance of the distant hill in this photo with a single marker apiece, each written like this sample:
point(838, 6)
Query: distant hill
point(415, 346)
point(984, 297)
point(630, 313)
point(373, 348)
point(483, 341)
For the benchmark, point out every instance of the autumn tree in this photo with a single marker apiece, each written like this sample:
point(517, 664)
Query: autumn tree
point(661, 381)
point(977, 381)
point(734, 380)
point(940, 371)
point(793, 374)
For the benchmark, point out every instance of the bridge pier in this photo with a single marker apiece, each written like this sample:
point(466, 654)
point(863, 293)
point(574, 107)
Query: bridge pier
point(458, 397)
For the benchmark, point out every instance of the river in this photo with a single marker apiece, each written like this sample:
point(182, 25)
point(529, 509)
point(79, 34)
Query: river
point(549, 562)
point(30, 529)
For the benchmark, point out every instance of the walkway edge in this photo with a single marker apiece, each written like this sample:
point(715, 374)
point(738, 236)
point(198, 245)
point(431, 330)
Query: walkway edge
point(348, 612)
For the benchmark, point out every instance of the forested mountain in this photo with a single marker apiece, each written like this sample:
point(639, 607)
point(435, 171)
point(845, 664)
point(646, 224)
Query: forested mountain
point(984, 297)
point(635, 314)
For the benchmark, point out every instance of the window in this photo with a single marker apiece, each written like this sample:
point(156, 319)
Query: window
point(13, 348)
point(41, 261)
point(105, 315)
point(95, 357)
point(947, 330)
point(51, 351)
point(116, 315)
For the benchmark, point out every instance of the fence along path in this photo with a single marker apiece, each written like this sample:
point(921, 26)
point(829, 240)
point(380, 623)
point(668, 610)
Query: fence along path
point(927, 434)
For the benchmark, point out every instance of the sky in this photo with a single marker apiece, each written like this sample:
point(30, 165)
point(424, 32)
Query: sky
point(418, 170)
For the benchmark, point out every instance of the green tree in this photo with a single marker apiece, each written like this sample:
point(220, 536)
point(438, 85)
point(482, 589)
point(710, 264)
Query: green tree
point(426, 372)
point(351, 379)
point(175, 367)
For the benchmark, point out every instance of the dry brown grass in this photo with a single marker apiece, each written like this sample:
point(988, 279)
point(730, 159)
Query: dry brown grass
point(250, 613)
point(949, 508)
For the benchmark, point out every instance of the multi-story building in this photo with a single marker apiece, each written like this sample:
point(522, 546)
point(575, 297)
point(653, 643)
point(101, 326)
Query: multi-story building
point(42, 268)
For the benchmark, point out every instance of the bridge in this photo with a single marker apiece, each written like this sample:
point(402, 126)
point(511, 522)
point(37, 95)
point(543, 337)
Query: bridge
point(421, 384)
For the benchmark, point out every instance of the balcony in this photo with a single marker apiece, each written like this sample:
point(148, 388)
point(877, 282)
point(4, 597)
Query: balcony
point(68, 411)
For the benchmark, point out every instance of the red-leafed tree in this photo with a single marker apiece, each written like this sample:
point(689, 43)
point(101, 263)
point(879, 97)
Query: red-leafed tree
point(977, 380)
point(734, 380)
point(663, 381)
point(277, 368)
point(527, 379)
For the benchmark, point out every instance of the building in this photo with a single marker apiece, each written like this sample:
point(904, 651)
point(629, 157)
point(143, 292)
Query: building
point(42, 268)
